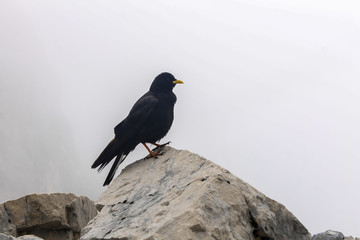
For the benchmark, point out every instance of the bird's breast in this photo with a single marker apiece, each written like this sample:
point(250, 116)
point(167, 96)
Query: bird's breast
point(160, 120)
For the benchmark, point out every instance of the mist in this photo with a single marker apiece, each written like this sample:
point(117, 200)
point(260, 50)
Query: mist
point(271, 93)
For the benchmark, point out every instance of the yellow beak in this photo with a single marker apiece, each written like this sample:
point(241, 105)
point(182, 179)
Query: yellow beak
point(178, 81)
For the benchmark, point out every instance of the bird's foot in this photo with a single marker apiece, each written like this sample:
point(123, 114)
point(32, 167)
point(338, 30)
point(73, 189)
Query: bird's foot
point(159, 147)
point(157, 151)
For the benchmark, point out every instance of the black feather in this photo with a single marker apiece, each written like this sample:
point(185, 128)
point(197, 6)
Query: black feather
point(149, 120)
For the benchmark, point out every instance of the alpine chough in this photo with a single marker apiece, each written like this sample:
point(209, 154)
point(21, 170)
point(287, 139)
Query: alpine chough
point(149, 120)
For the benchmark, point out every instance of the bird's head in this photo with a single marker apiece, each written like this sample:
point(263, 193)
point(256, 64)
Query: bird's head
point(164, 82)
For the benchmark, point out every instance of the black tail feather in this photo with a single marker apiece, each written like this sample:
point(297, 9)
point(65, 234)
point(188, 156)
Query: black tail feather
point(111, 150)
point(119, 159)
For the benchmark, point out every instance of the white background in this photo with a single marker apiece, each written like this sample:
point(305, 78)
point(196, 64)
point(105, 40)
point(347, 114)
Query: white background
point(271, 93)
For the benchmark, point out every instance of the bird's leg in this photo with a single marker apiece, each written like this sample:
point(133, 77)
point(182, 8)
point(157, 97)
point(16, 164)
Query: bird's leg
point(152, 154)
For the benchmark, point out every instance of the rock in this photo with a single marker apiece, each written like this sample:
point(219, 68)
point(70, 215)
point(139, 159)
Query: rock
point(6, 237)
point(5, 223)
point(351, 238)
point(25, 237)
point(49, 216)
point(331, 235)
point(29, 237)
point(181, 195)
point(328, 235)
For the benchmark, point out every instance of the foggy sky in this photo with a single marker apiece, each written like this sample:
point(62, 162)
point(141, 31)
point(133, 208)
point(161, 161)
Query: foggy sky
point(271, 93)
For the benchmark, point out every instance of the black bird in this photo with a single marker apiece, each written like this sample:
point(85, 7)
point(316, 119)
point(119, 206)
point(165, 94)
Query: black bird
point(149, 120)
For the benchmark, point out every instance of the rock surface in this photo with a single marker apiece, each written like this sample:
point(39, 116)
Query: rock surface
point(181, 195)
point(55, 216)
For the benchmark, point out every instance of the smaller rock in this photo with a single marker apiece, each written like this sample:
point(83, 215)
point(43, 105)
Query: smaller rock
point(50, 216)
point(25, 237)
point(328, 235)
point(6, 237)
point(332, 235)
point(6, 226)
point(29, 237)
point(351, 238)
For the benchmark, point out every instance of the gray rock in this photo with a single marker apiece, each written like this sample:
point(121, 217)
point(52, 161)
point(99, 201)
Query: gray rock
point(331, 235)
point(6, 237)
point(328, 235)
point(351, 238)
point(25, 237)
point(5, 223)
point(181, 195)
point(29, 237)
point(56, 216)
